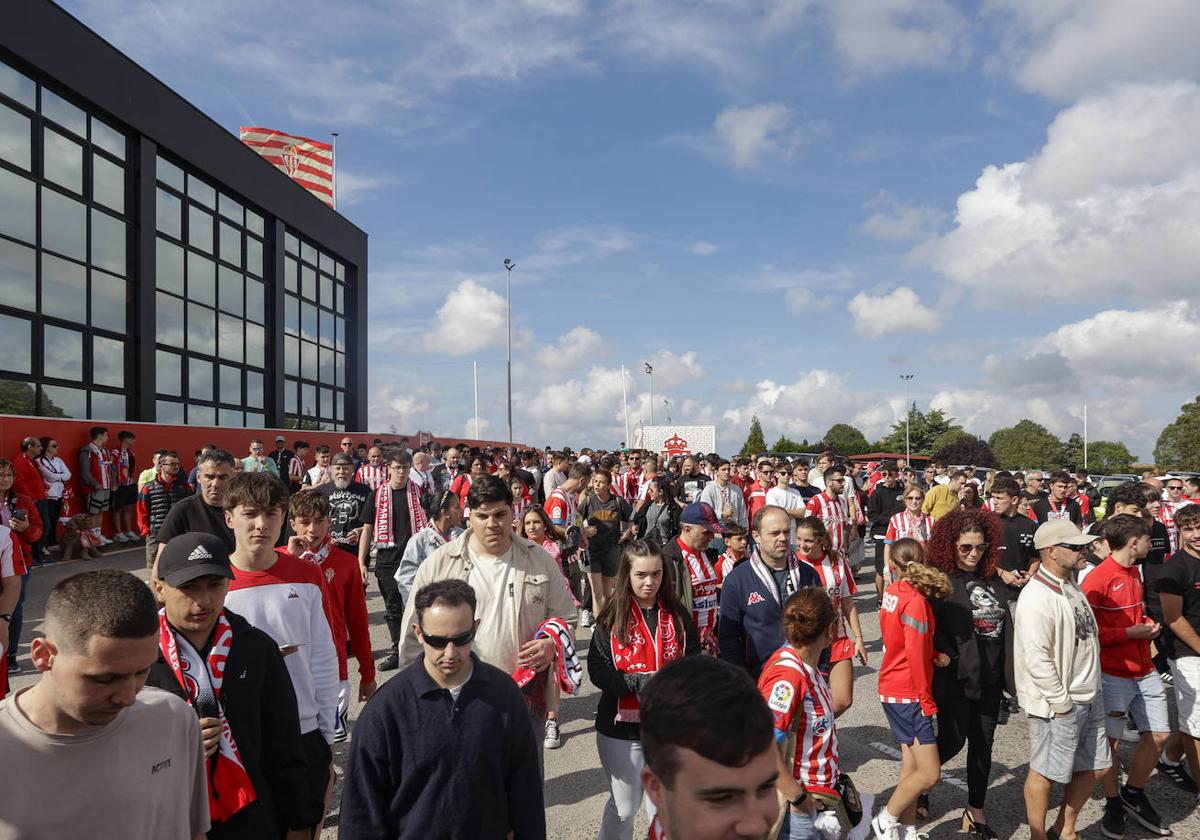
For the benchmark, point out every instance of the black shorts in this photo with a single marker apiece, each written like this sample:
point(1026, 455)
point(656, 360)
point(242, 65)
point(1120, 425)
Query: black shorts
point(878, 556)
point(604, 562)
point(125, 496)
point(317, 759)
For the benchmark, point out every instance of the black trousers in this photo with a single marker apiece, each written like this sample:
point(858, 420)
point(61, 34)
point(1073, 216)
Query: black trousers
point(393, 603)
point(971, 722)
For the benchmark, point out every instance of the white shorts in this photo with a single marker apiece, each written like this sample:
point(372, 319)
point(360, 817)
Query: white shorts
point(1143, 700)
point(1186, 671)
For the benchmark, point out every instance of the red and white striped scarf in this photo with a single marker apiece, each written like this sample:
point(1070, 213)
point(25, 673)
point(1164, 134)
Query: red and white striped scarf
point(320, 553)
point(229, 786)
point(704, 590)
point(124, 462)
point(645, 653)
point(381, 533)
point(1166, 515)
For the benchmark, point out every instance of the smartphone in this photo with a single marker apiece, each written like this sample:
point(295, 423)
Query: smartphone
point(20, 514)
point(289, 649)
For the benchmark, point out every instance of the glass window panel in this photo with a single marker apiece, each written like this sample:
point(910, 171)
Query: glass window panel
point(340, 405)
point(291, 314)
point(230, 292)
point(168, 374)
point(231, 385)
point(168, 211)
point(308, 400)
point(18, 276)
point(230, 345)
point(308, 286)
point(339, 271)
point(63, 112)
point(254, 223)
point(109, 301)
point(108, 243)
point(291, 396)
point(169, 320)
point(308, 360)
point(256, 301)
point(256, 345)
point(255, 419)
point(202, 330)
point(108, 183)
point(327, 402)
point(200, 229)
point(308, 321)
point(254, 389)
point(291, 355)
point(308, 253)
point(327, 374)
point(17, 86)
point(16, 343)
point(64, 225)
point(200, 379)
point(108, 139)
point(230, 209)
point(108, 362)
point(15, 144)
point(340, 340)
point(339, 299)
point(17, 397)
point(107, 406)
point(64, 289)
point(326, 263)
point(62, 353)
point(291, 244)
point(18, 214)
point(339, 364)
point(169, 173)
point(198, 190)
point(201, 415)
point(166, 411)
point(62, 160)
point(327, 327)
point(326, 291)
point(168, 266)
point(254, 256)
point(202, 279)
point(231, 418)
point(231, 244)
point(58, 401)
point(291, 270)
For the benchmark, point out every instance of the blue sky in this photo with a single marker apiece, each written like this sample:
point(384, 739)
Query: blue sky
point(782, 205)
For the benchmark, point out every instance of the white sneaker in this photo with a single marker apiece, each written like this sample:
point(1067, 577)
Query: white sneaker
point(133, 536)
point(586, 619)
point(120, 537)
point(105, 540)
point(552, 740)
point(891, 833)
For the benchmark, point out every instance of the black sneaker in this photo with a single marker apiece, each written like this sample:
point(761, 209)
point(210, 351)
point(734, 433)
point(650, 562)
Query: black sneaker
point(389, 663)
point(1112, 825)
point(1138, 806)
point(1178, 774)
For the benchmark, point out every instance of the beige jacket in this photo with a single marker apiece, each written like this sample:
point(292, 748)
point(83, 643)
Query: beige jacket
point(540, 590)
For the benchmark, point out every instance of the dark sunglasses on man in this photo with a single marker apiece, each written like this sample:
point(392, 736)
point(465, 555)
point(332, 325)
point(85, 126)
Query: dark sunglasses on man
point(441, 642)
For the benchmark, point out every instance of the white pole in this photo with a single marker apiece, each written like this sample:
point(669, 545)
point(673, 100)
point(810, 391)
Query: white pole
point(1085, 440)
point(625, 402)
point(335, 135)
point(475, 366)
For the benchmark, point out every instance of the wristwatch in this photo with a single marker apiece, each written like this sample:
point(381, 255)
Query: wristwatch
point(7, 617)
point(799, 800)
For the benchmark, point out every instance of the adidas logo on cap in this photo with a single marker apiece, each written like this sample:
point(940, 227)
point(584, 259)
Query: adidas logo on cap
point(199, 553)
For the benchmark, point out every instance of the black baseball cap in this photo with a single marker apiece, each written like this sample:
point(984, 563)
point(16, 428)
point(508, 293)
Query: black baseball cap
point(193, 555)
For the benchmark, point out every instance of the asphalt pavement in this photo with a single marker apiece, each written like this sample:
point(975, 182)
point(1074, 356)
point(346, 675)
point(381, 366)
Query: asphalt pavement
point(576, 789)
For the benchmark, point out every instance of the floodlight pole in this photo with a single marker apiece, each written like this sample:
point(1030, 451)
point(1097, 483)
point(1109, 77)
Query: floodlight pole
point(907, 377)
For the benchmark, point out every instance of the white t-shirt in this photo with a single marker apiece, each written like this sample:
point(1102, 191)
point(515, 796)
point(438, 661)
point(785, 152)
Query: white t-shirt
point(493, 578)
point(788, 499)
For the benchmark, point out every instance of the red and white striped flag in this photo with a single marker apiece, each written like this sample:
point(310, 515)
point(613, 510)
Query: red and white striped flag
point(307, 162)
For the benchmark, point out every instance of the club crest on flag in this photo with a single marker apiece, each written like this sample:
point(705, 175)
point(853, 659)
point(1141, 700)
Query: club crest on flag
point(291, 160)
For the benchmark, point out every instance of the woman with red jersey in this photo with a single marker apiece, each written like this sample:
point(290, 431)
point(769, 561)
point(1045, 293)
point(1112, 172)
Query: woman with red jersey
point(973, 629)
point(641, 628)
point(910, 522)
point(461, 485)
point(814, 547)
point(802, 707)
point(906, 691)
point(20, 514)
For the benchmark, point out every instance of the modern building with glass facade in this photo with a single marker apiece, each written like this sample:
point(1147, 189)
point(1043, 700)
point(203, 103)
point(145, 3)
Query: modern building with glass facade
point(152, 267)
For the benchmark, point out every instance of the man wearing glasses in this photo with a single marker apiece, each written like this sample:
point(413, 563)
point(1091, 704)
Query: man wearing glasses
point(756, 493)
point(257, 460)
point(346, 446)
point(401, 778)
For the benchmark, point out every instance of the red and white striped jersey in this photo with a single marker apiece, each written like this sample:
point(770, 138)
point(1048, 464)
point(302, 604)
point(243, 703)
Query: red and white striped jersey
point(296, 470)
point(905, 525)
point(832, 512)
point(800, 700)
point(372, 476)
point(838, 581)
point(627, 483)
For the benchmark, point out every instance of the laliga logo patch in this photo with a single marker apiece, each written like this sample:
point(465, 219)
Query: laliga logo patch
point(781, 696)
point(754, 598)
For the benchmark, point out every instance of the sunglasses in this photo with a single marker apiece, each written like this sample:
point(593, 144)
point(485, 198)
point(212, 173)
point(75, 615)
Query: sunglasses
point(967, 549)
point(1174, 486)
point(440, 642)
point(1078, 549)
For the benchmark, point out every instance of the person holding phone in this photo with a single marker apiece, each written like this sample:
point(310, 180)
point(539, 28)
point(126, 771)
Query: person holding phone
point(19, 513)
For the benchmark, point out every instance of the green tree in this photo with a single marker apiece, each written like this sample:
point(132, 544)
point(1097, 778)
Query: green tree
point(1106, 456)
point(1178, 446)
point(1026, 445)
point(1072, 451)
point(846, 439)
point(786, 444)
point(924, 431)
point(755, 442)
point(967, 450)
point(947, 439)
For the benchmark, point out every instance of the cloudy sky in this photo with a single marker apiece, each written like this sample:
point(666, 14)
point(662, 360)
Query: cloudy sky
point(783, 206)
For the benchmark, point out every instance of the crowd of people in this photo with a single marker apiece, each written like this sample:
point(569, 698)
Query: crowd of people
point(724, 634)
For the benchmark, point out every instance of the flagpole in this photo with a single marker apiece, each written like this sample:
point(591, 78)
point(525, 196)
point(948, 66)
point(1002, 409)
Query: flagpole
point(625, 402)
point(335, 136)
point(475, 367)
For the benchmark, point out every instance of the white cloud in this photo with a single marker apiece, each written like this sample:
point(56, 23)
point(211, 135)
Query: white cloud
point(354, 187)
point(801, 301)
point(881, 36)
point(473, 317)
point(746, 135)
point(702, 249)
point(672, 370)
point(1072, 48)
point(579, 345)
point(1110, 204)
point(575, 244)
point(898, 311)
point(894, 220)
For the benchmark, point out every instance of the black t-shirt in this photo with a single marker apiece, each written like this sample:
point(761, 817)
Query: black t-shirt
point(1180, 576)
point(606, 517)
point(193, 514)
point(345, 507)
point(688, 487)
point(1017, 553)
point(806, 492)
point(389, 558)
point(1046, 510)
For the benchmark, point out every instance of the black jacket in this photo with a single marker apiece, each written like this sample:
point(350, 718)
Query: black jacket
point(977, 663)
point(260, 706)
point(884, 503)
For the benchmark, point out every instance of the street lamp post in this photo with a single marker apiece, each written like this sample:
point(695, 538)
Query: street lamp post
point(509, 265)
point(907, 377)
point(650, 373)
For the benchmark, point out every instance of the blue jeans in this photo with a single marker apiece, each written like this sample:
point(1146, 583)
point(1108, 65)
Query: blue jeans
point(14, 626)
point(797, 827)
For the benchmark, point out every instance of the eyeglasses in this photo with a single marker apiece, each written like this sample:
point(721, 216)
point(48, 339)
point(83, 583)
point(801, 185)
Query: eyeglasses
point(440, 642)
point(913, 498)
point(967, 549)
point(1174, 486)
point(347, 443)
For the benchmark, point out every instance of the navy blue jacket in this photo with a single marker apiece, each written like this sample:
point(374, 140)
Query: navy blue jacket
point(751, 625)
point(424, 765)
